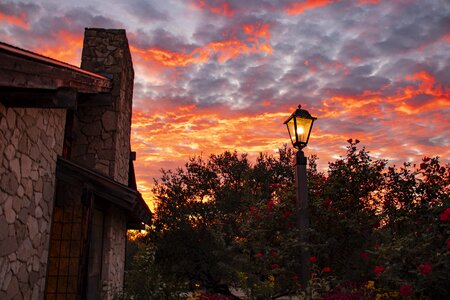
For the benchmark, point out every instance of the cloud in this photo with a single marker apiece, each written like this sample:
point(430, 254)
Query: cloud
point(218, 7)
point(215, 75)
point(17, 14)
point(145, 11)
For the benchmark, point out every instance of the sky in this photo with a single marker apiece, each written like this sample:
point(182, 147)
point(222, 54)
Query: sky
point(217, 75)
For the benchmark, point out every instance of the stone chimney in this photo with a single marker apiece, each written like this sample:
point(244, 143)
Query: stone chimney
point(102, 123)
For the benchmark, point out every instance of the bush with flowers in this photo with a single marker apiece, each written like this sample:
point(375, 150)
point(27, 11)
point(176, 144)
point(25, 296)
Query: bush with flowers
point(376, 231)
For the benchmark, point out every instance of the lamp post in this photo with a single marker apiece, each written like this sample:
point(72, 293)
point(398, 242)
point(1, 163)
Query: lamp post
point(299, 126)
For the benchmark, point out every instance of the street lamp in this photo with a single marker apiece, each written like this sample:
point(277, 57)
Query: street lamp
point(299, 126)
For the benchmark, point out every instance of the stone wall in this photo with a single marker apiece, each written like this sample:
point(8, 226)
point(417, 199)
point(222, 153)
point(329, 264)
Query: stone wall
point(114, 252)
point(102, 128)
point(30, 140)
point(103, 138)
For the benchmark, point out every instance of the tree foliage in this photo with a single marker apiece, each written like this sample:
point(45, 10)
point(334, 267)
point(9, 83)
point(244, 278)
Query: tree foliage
point(226, 222)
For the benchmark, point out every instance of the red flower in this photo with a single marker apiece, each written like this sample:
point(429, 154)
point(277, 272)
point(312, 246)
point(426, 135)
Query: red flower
point(313, 259)
point(376, 224)
point(295, 277)
point(275, 266)
point(286, 213)
point(445, 215)
point(326, 270)
point(448, 244)
point(273, 253)
point(350, 141)
point(326, 203)
point(259, 254)
point(376, 246)
point(274, 185)
point(378, 270)
point(364, 255)
point(426, 269)
point(254, 211)
point(406, 290)
point(270, 205)
point(357, 141)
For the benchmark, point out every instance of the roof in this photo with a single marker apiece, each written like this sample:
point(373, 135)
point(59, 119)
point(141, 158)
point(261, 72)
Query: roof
point(21, 68)
point(127, 198)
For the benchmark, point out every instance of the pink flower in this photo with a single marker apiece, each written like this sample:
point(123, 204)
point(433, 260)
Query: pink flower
point(426, 269)
point(313, 259)
point(378, 270)
point(406, 290)
point(364, 255)
point(445, 215)
point(326, 270)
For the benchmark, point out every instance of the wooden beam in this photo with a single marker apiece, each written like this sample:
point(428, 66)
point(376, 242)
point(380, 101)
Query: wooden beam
point(95, 100)
point(62, 97)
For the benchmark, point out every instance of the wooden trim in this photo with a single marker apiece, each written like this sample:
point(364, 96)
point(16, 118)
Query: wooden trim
point(23, 69)
point(106, 188)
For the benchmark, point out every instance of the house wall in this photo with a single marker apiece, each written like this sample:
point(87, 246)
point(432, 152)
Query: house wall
point(30, 140)
point(114, 254)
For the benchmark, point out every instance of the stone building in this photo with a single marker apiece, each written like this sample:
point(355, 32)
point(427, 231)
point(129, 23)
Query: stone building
point(67, 186)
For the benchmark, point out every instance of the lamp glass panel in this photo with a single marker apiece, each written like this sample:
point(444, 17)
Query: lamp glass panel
point(303, 128)
point(291, 129)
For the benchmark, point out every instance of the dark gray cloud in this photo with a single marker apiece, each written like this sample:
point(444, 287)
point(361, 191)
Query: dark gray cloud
point(162, 39)
point(145, 11)
point(19, 9)
point(46, 30)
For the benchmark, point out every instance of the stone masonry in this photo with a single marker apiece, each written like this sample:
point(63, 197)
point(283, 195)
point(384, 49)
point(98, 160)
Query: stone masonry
point(103, 129)
point(103, 137)
point(114, 254)
point(30, 140)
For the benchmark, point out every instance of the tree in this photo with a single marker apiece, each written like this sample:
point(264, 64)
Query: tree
point(225, 222)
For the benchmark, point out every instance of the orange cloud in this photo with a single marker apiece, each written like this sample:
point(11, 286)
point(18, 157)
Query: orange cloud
point(15, 20)
point(300, 7)
point(256, 40)
point(367, 102)
point(221, 8)
point(447, 38)
point(427, 86)
point(369, 1)
point(168, 138)
point(68, 49)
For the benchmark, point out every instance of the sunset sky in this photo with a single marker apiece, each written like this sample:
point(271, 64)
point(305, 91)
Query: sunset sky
point(216, 75)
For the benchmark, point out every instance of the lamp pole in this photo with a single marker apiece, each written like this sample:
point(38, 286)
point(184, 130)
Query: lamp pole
point(302, 214)
point(299, 126)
